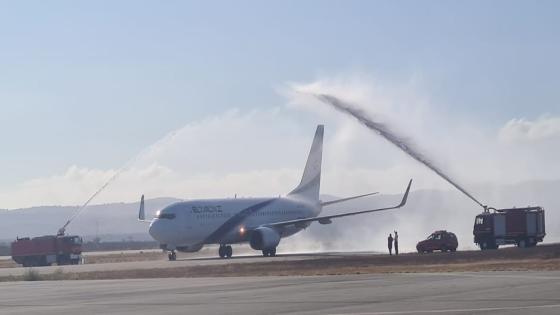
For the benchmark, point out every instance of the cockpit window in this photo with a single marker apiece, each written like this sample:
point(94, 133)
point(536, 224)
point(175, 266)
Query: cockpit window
point(167, 215)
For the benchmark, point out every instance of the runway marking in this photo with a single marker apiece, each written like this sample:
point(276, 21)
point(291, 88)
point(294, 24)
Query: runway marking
point(459, 310)
point(487, 274)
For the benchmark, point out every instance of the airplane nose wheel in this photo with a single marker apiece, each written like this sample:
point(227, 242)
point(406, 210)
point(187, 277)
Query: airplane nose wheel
point(172, 256)
point(269, 252)
point(225, 251)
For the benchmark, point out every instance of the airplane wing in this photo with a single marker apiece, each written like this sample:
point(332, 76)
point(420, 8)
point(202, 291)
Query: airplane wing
point(327, 219)
point(326, 203)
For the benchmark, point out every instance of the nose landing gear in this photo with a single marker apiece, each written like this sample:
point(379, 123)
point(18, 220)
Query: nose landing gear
point(172, 256)
point(269, 252)
point(225, 251)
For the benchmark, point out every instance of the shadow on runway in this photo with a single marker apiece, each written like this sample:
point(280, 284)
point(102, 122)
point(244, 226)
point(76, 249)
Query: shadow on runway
point(284, 255)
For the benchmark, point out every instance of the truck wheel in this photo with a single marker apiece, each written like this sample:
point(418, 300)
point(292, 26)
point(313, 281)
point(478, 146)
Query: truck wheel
point(522, 244)
point(172, 256)
point(229, 251)
point(43, 262)
point(33, 262)
point(488, 244)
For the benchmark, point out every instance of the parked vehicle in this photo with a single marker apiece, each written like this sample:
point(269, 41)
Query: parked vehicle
point(46, 250)
point(524, 227)
point(439, 240)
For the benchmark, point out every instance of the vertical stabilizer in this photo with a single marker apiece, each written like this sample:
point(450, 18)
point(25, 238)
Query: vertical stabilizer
point(311, 180)
point(142, 212)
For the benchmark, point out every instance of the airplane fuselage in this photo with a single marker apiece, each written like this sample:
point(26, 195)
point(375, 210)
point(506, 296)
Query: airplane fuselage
point(191, 224)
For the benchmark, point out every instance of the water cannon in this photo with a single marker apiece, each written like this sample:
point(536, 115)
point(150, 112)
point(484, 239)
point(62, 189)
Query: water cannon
point(62, 230)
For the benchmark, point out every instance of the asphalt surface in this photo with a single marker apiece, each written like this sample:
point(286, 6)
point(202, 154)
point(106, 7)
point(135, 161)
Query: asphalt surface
point(164, 263)
point(448, 293)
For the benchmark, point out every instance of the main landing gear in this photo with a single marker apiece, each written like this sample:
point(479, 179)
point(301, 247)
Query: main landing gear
point(172, 256)
point(225, 251)
point(269, 252)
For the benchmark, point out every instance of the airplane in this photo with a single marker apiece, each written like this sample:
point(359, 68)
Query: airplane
point(187, 226)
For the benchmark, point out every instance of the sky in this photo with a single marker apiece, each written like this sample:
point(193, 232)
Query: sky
point(87, 87)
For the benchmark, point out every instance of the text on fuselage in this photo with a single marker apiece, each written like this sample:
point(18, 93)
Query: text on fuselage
point(206, 209)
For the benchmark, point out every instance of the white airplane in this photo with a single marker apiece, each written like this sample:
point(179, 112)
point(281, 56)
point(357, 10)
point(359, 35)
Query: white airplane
point(262, 222)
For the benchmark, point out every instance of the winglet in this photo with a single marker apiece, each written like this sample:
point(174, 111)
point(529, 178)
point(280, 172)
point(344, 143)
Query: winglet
point(142, 213)
point(405, 197)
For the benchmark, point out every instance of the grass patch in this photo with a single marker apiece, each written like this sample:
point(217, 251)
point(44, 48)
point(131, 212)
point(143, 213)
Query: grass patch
point(58, 274)
point(34, 275)
point(31, 275)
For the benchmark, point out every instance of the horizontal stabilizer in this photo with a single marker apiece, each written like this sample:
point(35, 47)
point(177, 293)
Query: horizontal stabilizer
point(346, 199)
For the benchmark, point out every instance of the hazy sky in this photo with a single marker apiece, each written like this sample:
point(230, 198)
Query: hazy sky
point(85, 86)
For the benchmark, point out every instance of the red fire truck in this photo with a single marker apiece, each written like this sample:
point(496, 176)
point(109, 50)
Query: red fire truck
point(46, 250)
point(523, 227)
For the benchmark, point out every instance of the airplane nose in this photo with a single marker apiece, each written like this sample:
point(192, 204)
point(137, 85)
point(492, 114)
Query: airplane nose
point(158, 232)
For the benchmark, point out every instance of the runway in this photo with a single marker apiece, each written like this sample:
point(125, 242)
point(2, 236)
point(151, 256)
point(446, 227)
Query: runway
point(455, 293)
point(204, 264)
point(164, 263)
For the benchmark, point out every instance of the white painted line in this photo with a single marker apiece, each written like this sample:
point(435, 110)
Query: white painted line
point(539, 275)
point(460, 310)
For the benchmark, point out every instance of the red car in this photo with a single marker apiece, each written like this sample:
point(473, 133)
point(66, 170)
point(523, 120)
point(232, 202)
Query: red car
point(439, 240)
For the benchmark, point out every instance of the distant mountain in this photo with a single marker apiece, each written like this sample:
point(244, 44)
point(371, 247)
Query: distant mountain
point(115, 221)
point(426, 211)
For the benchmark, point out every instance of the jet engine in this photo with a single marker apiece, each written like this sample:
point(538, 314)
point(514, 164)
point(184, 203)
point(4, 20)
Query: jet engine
point(264, 238)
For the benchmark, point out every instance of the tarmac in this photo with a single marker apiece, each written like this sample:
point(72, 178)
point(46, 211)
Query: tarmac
point(187, 261)
point(445, 293)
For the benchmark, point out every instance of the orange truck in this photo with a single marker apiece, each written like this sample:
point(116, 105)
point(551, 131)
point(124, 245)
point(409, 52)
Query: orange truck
point(47, 250)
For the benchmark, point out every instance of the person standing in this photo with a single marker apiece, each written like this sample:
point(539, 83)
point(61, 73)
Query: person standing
point(396, 243)
point(390, 244)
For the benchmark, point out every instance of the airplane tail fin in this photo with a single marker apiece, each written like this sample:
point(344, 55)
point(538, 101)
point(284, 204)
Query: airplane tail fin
point(141, 211)
point(311, 180)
